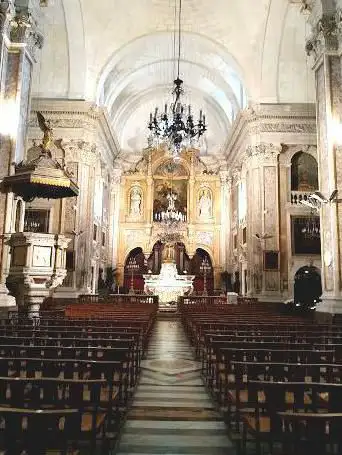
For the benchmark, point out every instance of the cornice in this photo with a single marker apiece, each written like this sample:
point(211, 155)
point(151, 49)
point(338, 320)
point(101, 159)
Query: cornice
point(73, 116)
point(269, 118)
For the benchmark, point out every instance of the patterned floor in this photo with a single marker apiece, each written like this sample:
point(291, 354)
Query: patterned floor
point(172, 412)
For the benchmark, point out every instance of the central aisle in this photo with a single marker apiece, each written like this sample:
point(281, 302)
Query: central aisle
point(172, 412)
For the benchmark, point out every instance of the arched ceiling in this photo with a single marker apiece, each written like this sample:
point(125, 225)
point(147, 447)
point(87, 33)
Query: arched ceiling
point(139, 77)
point(121, 55)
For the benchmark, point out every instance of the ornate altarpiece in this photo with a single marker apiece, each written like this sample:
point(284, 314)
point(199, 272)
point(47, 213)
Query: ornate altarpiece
point(198, 197)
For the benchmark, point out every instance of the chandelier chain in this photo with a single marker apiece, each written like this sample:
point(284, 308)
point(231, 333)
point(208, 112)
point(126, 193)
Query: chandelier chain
point(175, 127)
point(179, 36)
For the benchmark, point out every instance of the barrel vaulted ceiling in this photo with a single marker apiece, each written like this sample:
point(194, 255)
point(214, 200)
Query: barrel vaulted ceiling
point(121, 55)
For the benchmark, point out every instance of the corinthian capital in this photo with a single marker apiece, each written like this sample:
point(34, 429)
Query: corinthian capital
point(6, 14)
point(25, 27)
point(116, 178)
point(80, 151)
point(224, 176)
point(326, 34)
point(87, 153)
point(263, 153)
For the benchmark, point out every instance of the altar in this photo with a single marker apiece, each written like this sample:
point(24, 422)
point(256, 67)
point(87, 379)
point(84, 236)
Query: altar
point(168, 285)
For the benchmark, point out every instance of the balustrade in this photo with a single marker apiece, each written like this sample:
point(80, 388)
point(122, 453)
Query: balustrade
point(298, 196)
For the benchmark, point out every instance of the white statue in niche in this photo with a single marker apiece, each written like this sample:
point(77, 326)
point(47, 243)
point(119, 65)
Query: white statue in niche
point(205, 206)
point(135, 203)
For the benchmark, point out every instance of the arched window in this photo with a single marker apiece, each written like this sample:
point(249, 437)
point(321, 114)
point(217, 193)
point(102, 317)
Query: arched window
point(304, 172)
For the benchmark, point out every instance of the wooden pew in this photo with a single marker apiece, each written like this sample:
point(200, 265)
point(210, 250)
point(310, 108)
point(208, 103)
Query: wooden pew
point(36, 431)
point(264, 422)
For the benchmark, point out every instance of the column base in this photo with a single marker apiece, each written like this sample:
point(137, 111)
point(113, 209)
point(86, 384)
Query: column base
point(6, 300)
point(332, 305)
point(69, 293)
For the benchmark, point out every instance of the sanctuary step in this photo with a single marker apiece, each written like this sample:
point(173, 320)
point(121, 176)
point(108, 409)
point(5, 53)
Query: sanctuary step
point(167, 307)
point(172, 412)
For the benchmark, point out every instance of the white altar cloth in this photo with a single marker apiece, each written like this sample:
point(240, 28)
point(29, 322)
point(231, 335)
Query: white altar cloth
point(168, 285)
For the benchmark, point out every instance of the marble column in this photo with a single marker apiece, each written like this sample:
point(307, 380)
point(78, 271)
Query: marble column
point(115, 214)
point(149, 193)
point(20, 40)
point(81, 158)
point(191, 207)
point(263, 217)
point(225, 211)
point(325, 45)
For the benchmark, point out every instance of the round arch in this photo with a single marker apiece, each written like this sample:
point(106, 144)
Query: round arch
point(132, 83)
point(204, 279)
point(133, 275)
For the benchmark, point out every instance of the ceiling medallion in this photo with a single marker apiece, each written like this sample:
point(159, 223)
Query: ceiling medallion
point(175, 126)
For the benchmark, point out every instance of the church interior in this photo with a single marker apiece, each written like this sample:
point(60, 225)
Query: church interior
point(170, 227)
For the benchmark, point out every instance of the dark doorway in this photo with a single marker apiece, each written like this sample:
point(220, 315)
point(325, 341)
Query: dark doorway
point(307, 287)
point(138, 257)
point(196, 269)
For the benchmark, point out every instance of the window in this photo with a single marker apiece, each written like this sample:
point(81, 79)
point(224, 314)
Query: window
point(95, 232)
point(103, 238)
point(36, 220)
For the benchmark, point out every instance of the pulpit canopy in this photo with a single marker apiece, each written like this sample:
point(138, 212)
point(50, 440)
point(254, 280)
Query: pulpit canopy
point(42, 177)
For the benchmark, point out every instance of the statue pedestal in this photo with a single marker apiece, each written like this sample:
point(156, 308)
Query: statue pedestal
point(37, 267)
point(168, 285)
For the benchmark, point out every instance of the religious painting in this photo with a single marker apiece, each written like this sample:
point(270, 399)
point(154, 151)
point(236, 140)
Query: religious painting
point(271, 260)
point(162, 191)
point(306, 235)
point(304, 172)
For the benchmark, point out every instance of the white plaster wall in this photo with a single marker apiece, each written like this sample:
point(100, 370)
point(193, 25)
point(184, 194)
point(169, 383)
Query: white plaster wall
point(51, 75)
point(76, 46)
point(286, 74)
point(295, 76)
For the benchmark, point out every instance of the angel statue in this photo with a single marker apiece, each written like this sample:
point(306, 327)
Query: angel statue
point(44, 125)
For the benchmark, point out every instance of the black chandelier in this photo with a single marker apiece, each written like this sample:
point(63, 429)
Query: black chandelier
point(175, 126)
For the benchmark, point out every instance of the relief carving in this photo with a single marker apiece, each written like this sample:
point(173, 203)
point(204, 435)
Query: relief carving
point(326, 35)
point(134, 237)
point(6, 11)
point(24, 30)
point(205, 238)
point(263, 153)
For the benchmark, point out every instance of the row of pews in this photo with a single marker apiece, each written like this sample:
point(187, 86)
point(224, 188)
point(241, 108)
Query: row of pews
point(66, 381)
point(278, 379)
